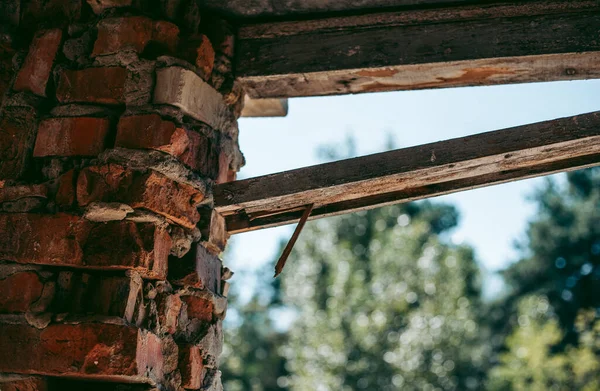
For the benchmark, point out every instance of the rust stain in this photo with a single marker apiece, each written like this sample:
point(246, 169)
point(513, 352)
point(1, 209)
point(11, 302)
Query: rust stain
point(386, 72)
point(473, 76)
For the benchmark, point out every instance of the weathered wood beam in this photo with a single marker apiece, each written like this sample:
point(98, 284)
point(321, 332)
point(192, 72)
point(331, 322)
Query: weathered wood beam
point(264, 107)
point(456, 46)
point(411, 173)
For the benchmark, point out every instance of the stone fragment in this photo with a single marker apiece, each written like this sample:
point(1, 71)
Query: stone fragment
point(149, 190)
point(71, 136)
point(17, 133)
point(66, 240)
point(169, 308)
point(103, 85)
point(35, 72)
point(87, 350)
point(182, 242)
point(99, 6)
point(150, 131)
point(184, 89)
point(190, 367)
point(106, 211)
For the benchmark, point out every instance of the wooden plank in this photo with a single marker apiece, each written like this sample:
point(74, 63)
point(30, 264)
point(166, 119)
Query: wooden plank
point(427, 48)
point(411, 173)
point(264, 107)
point(243, 9)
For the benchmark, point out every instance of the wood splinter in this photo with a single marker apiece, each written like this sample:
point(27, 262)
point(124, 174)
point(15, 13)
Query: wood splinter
point(288, 249)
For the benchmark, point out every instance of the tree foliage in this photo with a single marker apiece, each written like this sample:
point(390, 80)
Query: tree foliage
point(381, 300)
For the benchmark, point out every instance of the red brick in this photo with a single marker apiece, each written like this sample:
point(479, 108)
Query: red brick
point(166, 35)
point(191, 367)
point(199, 51)
point(24, 384)
point(116, 34)
point(81, 293)
point(65, 193)
point(17, 131)
point(148, 190)
point(71, 136)
point(19, 291)
point(66, 240)
point(150, 131)
point(105, 85)
point(200, 308)
point(101, 351)
point(134, 33)
point(14, 193)
point(198, 268)
point(35, 72)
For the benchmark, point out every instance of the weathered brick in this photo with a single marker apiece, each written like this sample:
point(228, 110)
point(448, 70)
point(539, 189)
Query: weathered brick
point(66, 240)
point(105, 85)
point(17, 132)
point(116, 34)
point(198, 268)
point(191, 367)
point(199, 51)
point(134, 33)
point(184, 89)
point(150, 131)
point(71, 136)
point(15, 193)
point(6, 65)
point(198, 307)
point(19, 291)
point(148, 190)
point(214, 231)
point(165, 35)
point(31, 383)
point(92, 350)
point(81, 293)
point(99, 6)
point(65, 192)
point(169, 309)
point(57, 13)
point(35, 72)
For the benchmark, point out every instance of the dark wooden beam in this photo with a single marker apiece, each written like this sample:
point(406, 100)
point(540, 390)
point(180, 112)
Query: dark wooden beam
point(515, 42)
point(411, 173)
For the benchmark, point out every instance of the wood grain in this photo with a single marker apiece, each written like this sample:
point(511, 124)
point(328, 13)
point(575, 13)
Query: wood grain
point(411, 173)
point(416, 49)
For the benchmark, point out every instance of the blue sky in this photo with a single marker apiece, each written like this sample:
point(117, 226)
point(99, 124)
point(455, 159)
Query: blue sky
point(492, 217)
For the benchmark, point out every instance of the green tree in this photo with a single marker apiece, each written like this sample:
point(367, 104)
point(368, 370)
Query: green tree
point(252, 358)
point(531, 364)
point(384, 302)
point(562, 249)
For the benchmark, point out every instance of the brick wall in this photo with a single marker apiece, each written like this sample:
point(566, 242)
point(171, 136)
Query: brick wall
point(116, 119)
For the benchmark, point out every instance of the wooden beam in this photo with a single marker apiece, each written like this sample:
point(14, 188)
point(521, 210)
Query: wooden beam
point(411, 173)
point(456, 46)
point(264, 107)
